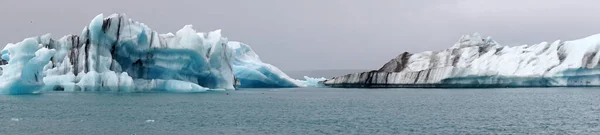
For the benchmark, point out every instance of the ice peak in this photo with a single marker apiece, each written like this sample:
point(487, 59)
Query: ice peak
point(474, 39)
point(115, 15)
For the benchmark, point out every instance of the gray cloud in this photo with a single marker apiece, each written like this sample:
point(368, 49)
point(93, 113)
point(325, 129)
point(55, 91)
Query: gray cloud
point(321, 34)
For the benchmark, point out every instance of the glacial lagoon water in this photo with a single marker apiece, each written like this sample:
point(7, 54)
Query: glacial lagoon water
point(307, 111)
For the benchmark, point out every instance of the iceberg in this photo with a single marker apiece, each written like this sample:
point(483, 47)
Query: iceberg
point(480, 62)
point(118, 54)
point(252, 72)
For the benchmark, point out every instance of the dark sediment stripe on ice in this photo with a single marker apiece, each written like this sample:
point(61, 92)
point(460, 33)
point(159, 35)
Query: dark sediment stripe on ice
point(74, 53)
point(113, 49)
point(86, 51)
point(151, 40)
point(386, 77)
point(397, 64)
point(404, 61)
point(482, 50)
point(499, 51)
point(106, 24)
point(544, 50)
point(418, 74)
point(587, 60)
point(370, 77)
point(455, 60)
point(427, 76)
point(561, 54)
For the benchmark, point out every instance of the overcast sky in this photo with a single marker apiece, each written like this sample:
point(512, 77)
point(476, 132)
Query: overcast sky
point(321, 34)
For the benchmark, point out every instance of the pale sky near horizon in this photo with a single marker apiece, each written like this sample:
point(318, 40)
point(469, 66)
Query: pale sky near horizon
point(321, 34)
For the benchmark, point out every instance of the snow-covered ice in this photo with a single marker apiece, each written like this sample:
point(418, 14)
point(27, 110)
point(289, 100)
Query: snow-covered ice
point(475, 61)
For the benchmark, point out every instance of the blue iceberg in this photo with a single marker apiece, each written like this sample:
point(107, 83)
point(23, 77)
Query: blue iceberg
point(118, 54)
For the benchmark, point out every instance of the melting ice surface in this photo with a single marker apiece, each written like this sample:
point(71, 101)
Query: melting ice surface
point(118, 54)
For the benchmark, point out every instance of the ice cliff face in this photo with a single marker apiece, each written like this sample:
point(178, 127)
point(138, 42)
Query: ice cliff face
point(475, 61)
point(118, 54)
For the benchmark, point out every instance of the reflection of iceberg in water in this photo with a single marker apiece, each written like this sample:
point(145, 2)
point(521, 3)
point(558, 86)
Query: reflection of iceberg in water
point(481, 62)
point(118, 54)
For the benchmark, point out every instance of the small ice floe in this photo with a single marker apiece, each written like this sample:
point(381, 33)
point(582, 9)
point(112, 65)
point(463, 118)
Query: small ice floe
point(15, 119)
point(149, 121)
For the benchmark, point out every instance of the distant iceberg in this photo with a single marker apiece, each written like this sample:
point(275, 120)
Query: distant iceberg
point(118, 54)
point(479, 62)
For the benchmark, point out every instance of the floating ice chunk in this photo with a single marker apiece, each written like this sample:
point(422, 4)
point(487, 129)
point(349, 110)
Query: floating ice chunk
point(181, 86)
point(312, 82)
point(15, 119)
point(167, 85)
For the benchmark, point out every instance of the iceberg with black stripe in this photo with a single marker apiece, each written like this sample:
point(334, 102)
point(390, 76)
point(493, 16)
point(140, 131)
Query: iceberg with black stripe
point(118, 54)
point(480, 62)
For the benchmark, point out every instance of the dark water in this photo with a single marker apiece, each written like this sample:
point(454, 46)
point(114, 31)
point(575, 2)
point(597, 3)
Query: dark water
point(308, 111)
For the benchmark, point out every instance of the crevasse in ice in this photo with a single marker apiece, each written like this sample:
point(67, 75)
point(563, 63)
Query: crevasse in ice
point(118, 54)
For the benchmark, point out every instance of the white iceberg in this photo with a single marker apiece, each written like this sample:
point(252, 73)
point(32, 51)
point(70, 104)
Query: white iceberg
point(475, 61)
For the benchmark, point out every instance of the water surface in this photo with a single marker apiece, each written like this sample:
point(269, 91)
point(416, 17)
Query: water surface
point(307, 111)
